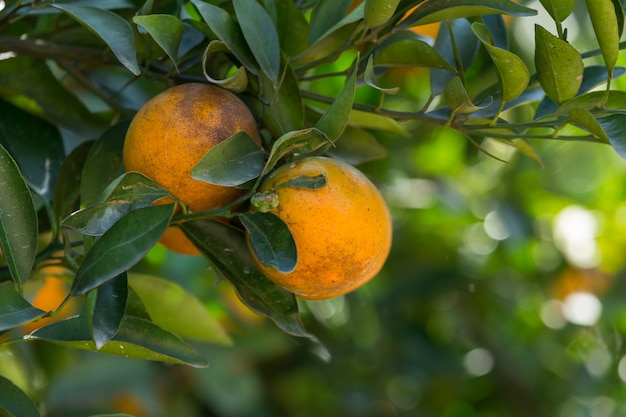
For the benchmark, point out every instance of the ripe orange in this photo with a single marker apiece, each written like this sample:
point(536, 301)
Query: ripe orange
point(50, 296)
point(171, 133)
point(342, 230)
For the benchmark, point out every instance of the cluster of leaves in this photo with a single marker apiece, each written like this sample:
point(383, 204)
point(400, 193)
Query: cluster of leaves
point(119, 54)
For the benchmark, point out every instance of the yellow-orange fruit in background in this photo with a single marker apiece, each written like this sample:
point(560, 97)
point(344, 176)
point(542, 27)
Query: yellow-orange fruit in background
point(171, 133)
point(342, 230)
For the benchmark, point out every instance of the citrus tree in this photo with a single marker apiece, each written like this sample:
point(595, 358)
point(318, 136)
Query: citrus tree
point(100, 101)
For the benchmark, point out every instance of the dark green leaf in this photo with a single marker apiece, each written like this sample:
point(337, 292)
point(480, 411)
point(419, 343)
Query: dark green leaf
point(225, 247)
point(136, 188)
point(285, 109)
point(615, 128)
point(436, 11)
point(228, 32)
point(412, 53)
point(67, 186)
point(96, 220)
point(14, 401)
point(232, 162)
point(559, 66)
point(325, 15)
point(335, 119)
point(260, 34)
point(176, 310)
point(292, 28)
point(325, 48)
point(136, 338)
point(35, 144)
point(18, 220)
point(296, 143)
point(237, 82)
point(603, 17)
point(304, 181)
point(14, 309)
point(111, 28)
point(166, 30)
point(107, 305)
point(122, 246)
point(270, 240)
point(559, 10)
point(357, 146)
point(103, 164)
point(512, 71)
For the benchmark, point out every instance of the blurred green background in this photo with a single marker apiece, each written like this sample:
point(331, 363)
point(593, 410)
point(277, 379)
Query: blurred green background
point(502, 297)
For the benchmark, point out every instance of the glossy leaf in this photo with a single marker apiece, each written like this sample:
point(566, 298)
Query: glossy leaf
point(14, 309)
point(67, 186)
point(166, 30)
point(335, 118)
point(228, 31)
point(36, 145)
point(122, 246)
point(14, 401)
point(559, 66)
point(512, 72)
point(412, 53)
point(106, 307)
point(435, 11)
point(607, 29)
point(232, 162)
point(176, 310)
point(324, 16)
point(103, 164)
point(226, 248)
point(237, 82)
point(378, 12)
point(136, 188)
point(111, 28)
point(615, 128)
point(136, 338)
point(271, 240)
point(297, 143)
point(18, 220)
point(260, 34)
point(559, 10)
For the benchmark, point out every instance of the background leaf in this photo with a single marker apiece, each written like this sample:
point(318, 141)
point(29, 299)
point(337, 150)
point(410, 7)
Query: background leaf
point(14, 401)
point(271, 241)
point(136, 338)
point(111, 28)
point(436, 11)
point(615, 128)
point(18, 220)
point(122, 246)
point(14, 309)
point(171, 307)
point(67, 187)
point(225, 247)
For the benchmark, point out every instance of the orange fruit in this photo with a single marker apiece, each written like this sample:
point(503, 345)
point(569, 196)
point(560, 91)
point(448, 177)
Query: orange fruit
point(342, 230)
point(171, 133)
point(49, 297)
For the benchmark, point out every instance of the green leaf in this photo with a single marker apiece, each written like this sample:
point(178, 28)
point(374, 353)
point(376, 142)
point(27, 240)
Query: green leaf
point(216, 68)
point(111, 28)
point(103, 165)
point(324, 16)
point(410, 52)
point(14, 309)
point(228, 31)
point(436, 11)
point(512, 71)
point(615, 128)
point(305, 182)
point(370, 78)
point(122, 246)
point(378, 12)
point(559, 66)
point(36, 145)
point(457, 98)
point(136, 338)
point(585, 119)
point(232, 162)
point(137, 189)
point(559, 10)
point(335, 119)
point(296, 143)
point(357, 146)
point(18, 220)
point(176, 310)
point(271, 241)
point(292, 28)
point(603, 17)
point(96, 220)
point(106, 307)
point(166, 30)
point(284, 111)
point(14, 401)
point(372, 121)
point(260, 34)
point(67, 187)
point(225, 247)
